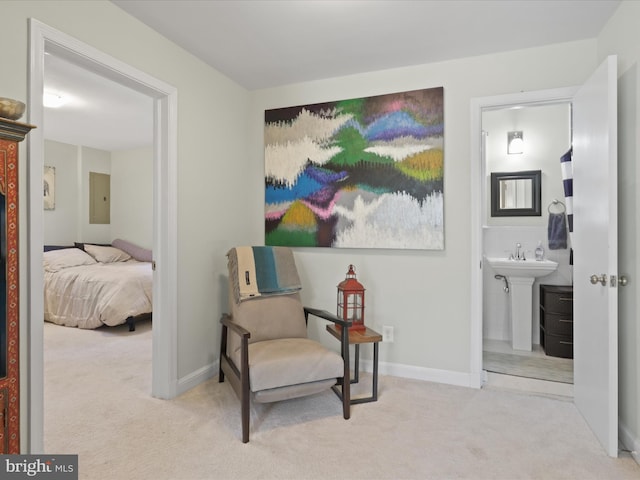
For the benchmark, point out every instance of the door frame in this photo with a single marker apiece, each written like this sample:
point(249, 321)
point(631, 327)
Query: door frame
point(477, 203)
point(164, 333)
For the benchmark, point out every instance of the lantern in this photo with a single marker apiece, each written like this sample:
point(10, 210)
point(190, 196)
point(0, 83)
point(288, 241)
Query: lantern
point(351, 301)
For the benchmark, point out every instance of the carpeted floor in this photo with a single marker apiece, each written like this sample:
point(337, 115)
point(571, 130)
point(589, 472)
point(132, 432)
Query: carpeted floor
point(97, 405)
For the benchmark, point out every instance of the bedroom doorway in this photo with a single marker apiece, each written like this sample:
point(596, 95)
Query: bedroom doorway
point(46, 40)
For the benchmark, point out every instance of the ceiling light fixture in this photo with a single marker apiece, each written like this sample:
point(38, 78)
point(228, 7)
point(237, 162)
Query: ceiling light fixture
point(53, 100)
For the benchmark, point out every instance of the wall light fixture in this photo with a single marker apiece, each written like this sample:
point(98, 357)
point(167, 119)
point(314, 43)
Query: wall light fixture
point(515, 144)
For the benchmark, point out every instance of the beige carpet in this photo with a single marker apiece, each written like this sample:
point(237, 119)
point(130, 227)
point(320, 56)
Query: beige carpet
point(97, 405)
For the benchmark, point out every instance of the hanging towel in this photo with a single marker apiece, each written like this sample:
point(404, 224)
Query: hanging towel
point(557, 231)
point(258, 271)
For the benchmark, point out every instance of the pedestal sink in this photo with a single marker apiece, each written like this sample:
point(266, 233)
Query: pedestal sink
point(521, 274)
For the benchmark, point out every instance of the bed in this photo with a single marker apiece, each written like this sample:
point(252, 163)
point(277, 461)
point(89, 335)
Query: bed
point(88, 286)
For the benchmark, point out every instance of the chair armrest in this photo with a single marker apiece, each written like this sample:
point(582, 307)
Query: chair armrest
point(327, 316)
point(237, 329)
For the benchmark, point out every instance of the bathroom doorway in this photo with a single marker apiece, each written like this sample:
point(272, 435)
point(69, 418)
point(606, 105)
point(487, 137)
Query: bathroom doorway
point(490, 303)
point(594, 132)
point(518, 230)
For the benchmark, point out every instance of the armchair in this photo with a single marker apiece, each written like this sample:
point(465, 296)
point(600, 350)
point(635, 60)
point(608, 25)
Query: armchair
point(264, 349)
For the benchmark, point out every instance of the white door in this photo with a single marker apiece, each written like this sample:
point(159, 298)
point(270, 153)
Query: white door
point(595, 242)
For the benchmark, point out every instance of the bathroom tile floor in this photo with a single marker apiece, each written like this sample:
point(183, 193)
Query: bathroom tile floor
point(530, 371)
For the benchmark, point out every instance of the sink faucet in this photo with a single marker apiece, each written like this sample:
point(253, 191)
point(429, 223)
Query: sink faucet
point(518, 255)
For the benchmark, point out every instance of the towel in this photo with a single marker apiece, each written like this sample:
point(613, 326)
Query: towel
point(566, 166)
point(557, 231)
point(260, 271)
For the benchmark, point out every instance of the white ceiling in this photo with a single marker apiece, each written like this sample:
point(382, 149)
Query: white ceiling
point(99, 112)
point(263, 43)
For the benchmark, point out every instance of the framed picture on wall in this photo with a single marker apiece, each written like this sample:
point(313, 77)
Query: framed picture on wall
point(49, 178)
point(357, 173)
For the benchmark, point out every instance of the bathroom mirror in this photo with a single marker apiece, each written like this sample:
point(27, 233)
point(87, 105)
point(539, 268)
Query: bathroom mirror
point(515, 194)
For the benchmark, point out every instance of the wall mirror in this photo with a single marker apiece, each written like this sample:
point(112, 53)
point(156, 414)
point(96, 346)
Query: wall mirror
point(515, 194)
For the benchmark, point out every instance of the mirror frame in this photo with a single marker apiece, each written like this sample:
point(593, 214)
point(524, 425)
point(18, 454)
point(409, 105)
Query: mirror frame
point(535, 210)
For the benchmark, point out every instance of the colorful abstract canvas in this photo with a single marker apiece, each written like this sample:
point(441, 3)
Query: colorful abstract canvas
point(358, 173)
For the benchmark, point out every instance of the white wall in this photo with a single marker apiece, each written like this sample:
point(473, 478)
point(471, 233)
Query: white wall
point(69, 221)
point(132, 196)
point(425, 295)
point(131, 173)
point(60, 223)
point(621, 36)
point(547, 135)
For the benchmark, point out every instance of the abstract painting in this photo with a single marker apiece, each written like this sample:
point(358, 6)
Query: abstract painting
point(358, 173)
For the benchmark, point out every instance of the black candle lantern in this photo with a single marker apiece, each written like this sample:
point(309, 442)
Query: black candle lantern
point(351, 300)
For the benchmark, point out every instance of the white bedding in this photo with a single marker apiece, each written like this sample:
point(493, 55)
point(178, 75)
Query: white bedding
point(89, 295)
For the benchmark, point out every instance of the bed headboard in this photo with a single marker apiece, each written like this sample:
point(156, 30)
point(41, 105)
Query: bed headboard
point(48, 248)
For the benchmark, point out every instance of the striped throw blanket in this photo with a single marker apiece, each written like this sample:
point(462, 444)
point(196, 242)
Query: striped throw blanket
point(567, 181)
point(260, 271)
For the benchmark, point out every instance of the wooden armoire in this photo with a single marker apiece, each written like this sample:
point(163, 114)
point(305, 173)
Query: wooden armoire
point(11, 133)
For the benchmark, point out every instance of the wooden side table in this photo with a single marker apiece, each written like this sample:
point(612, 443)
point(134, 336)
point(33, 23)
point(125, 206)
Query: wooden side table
point(356, 338)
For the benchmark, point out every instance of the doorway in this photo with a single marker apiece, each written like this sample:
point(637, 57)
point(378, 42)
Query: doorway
point(512, 227)
point(44, 39)
point(479, 187)
point(595, 236)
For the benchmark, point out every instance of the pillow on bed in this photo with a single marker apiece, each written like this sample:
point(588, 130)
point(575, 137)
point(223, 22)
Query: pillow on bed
point(56, 260)
point(106, 254)
point(139, 253)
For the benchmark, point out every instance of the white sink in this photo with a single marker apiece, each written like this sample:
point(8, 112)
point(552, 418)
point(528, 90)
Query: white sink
point(522, 268)
point(520, 275)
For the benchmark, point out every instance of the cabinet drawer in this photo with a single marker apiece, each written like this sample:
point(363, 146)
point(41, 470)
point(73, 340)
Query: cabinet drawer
point(558, 324)
point(560, 300)
point(558, 345)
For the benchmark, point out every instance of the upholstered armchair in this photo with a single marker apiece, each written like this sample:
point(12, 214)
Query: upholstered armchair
point(265, 352)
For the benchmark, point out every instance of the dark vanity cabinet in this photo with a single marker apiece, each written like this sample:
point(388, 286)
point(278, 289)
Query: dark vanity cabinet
point(556, 320)
point(10, 134)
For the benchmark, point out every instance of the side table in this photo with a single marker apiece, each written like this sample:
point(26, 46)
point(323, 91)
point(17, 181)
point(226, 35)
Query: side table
point(356, 338)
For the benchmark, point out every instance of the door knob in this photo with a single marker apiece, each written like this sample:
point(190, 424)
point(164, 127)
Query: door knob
point(622, 281)
point(602, 279)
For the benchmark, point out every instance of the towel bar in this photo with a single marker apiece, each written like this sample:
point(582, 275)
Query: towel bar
point(556, 202)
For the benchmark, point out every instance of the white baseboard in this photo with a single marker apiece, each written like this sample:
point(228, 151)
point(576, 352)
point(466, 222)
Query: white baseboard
point(203, 374)
point(630, 442)
point(420, 373)
point(196, 377)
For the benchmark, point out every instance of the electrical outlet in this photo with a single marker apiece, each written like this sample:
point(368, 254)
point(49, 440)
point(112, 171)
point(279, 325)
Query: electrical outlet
point(387, 333)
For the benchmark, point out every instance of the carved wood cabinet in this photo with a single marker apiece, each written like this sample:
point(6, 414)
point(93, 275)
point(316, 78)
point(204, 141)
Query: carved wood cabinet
point(11, 133)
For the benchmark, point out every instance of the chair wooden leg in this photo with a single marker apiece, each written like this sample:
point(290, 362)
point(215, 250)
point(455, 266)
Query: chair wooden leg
point(244, 379)
point(246, 416)
point(223, 351)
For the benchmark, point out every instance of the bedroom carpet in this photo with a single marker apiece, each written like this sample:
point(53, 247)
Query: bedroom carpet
point(98, 405)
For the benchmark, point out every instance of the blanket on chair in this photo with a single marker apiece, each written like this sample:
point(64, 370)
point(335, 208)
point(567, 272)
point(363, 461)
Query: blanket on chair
point(259, 271)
